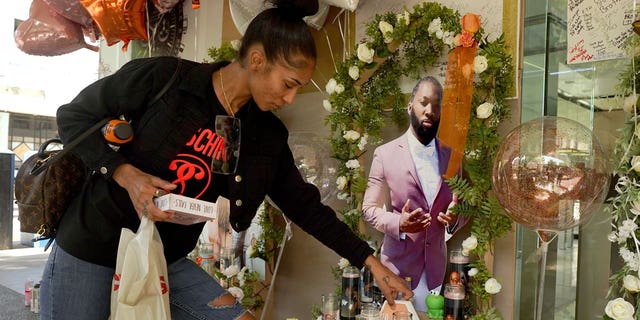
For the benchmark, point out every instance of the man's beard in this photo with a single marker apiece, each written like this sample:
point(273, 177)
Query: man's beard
point(425, 135)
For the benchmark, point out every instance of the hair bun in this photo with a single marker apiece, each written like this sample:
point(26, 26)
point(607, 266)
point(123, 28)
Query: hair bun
point(297, 8)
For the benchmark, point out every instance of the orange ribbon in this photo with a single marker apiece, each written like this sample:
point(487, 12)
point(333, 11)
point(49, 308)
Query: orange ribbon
point(456, 105)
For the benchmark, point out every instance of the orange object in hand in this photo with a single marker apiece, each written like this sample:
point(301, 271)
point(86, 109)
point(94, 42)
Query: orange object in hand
point(117, 132)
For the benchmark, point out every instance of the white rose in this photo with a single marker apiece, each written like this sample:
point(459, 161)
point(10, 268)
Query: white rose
point(354, 72)
point(363, 142)
point(343, 263)
point(236, 292)
point(484, 110)
point(480, 64)
point(231, 271)
point(447, 38)
point(352, 164)
point(439, 33)
point(613, 237)
point(339, 89)
point(327, 105)
point(631, 283)
point(351, 135)
point(235, 44)
point(331, 86)
point(364, 53)
point(492, 286)
point(635, 163)
point(403, 17)
point(341, 182)
point(472, 272)
point(619, 309)
point(386, 29)
point(469, 243)
point(343, 196)
point(434, 25)
point(629, 103)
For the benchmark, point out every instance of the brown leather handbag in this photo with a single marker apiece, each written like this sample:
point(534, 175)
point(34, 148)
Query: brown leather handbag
point(45, 184)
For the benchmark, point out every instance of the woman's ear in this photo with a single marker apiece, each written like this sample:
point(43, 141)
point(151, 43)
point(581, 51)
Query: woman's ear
point(257, 58)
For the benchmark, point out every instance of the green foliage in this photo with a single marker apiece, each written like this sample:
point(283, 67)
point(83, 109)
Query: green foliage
point(226, 52)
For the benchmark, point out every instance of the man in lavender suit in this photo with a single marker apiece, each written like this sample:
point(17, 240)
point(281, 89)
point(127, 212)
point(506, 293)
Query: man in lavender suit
point(407, 199)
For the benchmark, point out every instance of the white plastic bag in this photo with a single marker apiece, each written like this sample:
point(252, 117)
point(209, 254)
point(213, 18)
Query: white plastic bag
point(140, 287)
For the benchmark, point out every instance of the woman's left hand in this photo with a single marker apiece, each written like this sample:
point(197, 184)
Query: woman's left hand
point(389, 283)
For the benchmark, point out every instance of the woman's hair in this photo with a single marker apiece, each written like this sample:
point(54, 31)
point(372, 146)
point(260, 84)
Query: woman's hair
point(282, 32)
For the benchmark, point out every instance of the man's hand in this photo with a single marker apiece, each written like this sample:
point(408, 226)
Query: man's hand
point(413, 221)
point(389, 283)
point(449, 218)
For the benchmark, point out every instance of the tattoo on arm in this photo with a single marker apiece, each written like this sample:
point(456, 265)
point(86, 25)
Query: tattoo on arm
point(386, 279)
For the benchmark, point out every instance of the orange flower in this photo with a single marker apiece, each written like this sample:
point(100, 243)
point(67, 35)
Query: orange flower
point(471, 22)
point(466, 40)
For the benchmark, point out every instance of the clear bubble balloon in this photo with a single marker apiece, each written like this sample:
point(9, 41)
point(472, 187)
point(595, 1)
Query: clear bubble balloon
point(550, 174)
point(312, 156)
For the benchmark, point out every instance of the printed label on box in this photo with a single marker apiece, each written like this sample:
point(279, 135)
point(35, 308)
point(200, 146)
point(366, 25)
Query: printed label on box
point(187, 210)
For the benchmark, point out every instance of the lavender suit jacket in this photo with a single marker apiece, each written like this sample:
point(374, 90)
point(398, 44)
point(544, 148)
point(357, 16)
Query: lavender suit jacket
point(393, 180)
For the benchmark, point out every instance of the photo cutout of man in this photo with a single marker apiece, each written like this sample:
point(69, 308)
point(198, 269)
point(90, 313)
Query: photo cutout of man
point(407, 199)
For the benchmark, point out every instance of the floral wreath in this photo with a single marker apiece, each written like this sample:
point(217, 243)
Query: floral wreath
point(366, 86)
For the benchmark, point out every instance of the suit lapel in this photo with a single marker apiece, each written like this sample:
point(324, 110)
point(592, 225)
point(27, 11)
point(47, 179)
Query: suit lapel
point(444, 153)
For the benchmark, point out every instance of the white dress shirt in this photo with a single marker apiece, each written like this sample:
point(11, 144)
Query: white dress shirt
point(425, 159)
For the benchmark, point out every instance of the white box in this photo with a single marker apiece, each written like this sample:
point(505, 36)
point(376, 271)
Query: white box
point(187, 210)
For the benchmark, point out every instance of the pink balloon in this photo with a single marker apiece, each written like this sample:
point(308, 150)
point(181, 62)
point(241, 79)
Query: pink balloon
point(72, 10)
point(46, 33)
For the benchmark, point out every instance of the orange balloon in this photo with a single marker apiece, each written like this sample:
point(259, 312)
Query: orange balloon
point(119, 20)
point(456, 105)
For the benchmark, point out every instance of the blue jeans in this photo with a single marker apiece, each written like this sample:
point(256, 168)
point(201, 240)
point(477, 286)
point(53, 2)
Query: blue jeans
point(75, 289)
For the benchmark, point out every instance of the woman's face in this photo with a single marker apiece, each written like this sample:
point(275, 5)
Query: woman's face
point(275, 84)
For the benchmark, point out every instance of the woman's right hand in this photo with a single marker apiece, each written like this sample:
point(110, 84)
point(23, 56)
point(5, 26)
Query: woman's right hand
point(142, 188)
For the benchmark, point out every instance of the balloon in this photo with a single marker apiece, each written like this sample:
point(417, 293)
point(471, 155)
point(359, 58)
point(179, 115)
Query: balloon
point(72, 10)
point(550, 174)
point(119, 19)
point(314, 162)
point(47, 33)
point(350, 5)
point(243, 11)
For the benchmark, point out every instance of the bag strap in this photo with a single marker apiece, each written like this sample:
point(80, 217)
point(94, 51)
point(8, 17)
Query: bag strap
point(68, 147)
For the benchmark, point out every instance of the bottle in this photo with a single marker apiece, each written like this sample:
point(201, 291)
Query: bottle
point(28, 286)
point(36, 298)
point(117, 132)
point(454, 297)
point(366, 285)
point(350, 304)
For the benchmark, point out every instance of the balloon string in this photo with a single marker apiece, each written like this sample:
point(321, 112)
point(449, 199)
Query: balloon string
point(150, 33)
point(330, 50)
